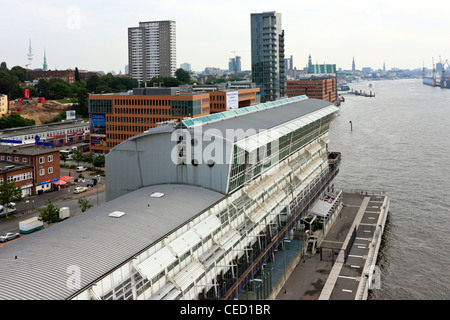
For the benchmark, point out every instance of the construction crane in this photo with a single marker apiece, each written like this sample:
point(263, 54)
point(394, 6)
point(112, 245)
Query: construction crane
point(443, 71)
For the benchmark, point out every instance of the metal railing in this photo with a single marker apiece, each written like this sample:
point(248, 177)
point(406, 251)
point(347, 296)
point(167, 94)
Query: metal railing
point(247, 271)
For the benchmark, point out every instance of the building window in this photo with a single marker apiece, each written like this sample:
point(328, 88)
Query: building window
point(2, 158)
point(41, 160)
point(41, 172)
point(50, 158)
point(50, 170)
point(16, 159)
point(24, 159)
point(9, 158)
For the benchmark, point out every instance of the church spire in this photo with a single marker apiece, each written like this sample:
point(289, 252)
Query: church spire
point(45, 62)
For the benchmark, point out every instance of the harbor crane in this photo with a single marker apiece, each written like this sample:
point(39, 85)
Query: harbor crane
point(443, 71)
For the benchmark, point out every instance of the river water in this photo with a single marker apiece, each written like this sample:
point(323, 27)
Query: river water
point(399, 142)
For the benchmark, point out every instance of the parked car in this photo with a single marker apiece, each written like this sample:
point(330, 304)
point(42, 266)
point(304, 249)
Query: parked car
point(9, 236)
point(92, 183)
point(79, 189)
point(81, 169)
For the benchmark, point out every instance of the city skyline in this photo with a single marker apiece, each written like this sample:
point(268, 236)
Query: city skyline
point(93, 35)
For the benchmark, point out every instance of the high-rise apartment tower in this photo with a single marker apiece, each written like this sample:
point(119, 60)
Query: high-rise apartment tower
point(268, 70)
point(152, 50)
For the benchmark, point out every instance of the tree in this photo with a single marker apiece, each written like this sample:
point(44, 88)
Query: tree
point(9, 193)
point(182, 75)
point(92, 83)
point(64, 157)
point(50, 213)
point(84, 204)
point(60, 90)
point(77, 156)
point(99, 161)
point(82, 102)
point(77, 75)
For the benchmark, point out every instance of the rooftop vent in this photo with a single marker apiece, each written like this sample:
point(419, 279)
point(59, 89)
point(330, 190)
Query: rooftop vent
point(157, 194)
point(116, 214)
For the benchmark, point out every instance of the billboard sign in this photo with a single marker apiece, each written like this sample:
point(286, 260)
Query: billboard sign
point(98, 125)
point(70, 115)
point(232, 100)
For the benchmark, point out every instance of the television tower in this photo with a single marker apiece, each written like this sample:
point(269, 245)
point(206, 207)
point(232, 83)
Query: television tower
point(30, 55)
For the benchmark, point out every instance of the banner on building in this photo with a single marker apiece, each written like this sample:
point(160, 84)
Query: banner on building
point(232, 100)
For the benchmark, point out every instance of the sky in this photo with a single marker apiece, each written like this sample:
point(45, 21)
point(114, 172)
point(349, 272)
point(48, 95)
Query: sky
point(93, 35)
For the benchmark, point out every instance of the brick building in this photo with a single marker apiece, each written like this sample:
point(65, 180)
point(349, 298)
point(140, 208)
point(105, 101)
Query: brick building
point(21, 174)
point(44, 162)
point(324, 88)
point(66, 75)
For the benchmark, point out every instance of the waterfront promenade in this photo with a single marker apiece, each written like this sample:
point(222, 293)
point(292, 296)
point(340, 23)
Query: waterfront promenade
point(343, 265)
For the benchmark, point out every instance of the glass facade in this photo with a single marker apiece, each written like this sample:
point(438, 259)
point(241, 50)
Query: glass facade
point(100, 106)
point(249, 164)
point(186, 108)
point(267, 42)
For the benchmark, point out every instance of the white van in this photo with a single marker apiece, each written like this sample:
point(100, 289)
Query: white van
point(81, 169)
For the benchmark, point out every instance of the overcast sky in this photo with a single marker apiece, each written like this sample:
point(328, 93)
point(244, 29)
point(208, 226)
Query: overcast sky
point(92, 35)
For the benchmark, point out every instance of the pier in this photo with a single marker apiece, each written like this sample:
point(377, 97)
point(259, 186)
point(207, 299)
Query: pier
point(342, 267)
point(362, 93)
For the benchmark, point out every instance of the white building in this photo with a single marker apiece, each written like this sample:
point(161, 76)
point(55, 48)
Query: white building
point(195, 210)
point(152, 50)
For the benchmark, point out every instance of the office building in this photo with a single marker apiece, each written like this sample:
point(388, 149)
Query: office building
point(3, 104)
point(182, 219)
point(152, 50)
point(315, 87)
point(234, 64)
point(268, 64)
point(186, 67)
point(115, 118)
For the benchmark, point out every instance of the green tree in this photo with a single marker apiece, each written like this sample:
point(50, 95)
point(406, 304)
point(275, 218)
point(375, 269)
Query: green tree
point(50, 213)
point(3, 65)
point(182, 75)
point(60, 90)
point(20, 73)
point(88, 157)
point(15, 120)
point(84, 204)
point(9, 193)
point(43, 88)
point(82, 102)
point(77, 75)
point(99, 161)
point(77, 156)
point(64, 157)
point(92, 83)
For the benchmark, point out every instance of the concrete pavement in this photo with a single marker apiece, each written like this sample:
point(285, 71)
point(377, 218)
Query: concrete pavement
point(338, 269)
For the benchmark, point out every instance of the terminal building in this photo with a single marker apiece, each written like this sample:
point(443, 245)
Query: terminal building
point(196, 209)
point(55, 134)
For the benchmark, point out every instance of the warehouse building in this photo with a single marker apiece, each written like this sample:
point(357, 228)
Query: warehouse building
point(195, 210)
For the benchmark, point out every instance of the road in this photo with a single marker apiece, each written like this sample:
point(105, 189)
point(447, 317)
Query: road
point(29, 207)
